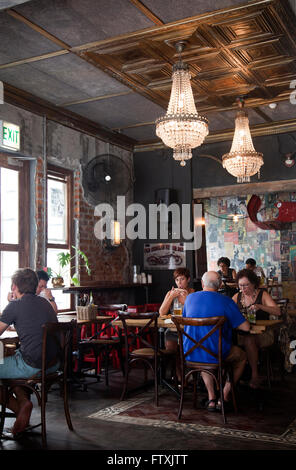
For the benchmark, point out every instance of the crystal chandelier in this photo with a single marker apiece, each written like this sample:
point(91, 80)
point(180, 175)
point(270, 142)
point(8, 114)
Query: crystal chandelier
point(181, 128)
point(242, 161)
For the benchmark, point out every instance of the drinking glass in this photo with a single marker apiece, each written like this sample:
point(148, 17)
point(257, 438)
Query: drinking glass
point(177, 307)
point(251, 312)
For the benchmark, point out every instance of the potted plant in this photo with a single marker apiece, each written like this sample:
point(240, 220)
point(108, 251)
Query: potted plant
point(64, 260)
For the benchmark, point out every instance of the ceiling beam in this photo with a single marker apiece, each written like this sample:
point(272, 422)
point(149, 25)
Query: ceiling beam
point(65, 117)
point(271, 128)
point(148, 13)
point(38, 29)
point(97, 98)
point(244, 189)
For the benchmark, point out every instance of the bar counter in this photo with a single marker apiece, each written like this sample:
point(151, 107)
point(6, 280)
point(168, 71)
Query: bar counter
point(113, 292)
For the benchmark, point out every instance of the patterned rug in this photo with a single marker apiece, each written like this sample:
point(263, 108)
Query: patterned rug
point(272, 420)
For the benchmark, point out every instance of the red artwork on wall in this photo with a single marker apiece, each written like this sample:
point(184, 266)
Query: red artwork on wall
point(286, 213)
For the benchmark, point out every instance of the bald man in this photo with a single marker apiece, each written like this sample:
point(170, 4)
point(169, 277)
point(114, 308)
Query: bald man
point(209, 303)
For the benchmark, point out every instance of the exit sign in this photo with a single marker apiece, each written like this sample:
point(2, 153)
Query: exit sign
point(9, 136)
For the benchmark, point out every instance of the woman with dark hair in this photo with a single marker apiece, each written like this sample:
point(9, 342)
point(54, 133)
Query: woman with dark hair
point(227, 273)
point(252, 299)
point(228, 276)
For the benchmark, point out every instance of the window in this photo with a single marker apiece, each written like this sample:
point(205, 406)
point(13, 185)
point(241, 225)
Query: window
point(14, 226)
point(59, 227)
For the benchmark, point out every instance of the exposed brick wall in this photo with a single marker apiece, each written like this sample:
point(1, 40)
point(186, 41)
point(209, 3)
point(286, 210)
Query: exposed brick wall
point(106, 265)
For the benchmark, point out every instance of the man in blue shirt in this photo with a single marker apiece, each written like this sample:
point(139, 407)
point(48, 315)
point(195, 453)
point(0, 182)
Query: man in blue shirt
point(209, 303)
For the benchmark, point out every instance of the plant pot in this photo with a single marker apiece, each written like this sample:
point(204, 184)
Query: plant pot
point(57, 281)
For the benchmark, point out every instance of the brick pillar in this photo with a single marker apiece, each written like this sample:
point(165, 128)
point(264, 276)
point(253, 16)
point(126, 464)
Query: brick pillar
point(40, 213)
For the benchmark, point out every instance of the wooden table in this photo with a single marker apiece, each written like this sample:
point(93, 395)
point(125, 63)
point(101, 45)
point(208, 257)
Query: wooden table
point(291, 312)
point(263, 325)
point(65, 318)
point(9, 339)
point(138, 323)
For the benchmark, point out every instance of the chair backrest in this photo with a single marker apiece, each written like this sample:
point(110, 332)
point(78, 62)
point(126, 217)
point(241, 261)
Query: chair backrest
point(215, 322)
point(135, 332)
point(59, 334)
point(112, 307)
point(283, 304)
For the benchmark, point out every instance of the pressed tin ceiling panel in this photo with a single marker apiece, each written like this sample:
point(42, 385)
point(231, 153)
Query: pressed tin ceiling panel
point(173, 10)
point(119, 111)
point(19, 41)
point(82, 21)
point(36, 82)
point(10, 3)
point(110, 61)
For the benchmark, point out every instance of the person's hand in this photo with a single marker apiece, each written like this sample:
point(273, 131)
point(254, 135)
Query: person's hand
point(46, 293)
point(10, 296)
point(177, 292)
point(182, 296)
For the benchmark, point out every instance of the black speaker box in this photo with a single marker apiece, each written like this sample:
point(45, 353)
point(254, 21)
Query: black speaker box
point(165, 196)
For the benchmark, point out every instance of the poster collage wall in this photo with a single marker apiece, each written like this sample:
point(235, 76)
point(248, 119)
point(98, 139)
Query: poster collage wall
point(273, 250)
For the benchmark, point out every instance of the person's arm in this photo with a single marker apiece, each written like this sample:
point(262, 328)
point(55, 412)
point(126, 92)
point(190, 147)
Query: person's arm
point(166, 304)
point(268, 305)
point(245, 326)
point(3, 327)
point(234, 274)
point(237, 320)
point(47, 294)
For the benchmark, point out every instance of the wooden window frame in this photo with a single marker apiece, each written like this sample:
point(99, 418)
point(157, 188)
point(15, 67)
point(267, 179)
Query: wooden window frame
point(23, 245)
point(65, 175)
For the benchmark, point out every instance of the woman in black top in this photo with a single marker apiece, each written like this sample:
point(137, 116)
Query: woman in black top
point(228, 276)
point(260, 302)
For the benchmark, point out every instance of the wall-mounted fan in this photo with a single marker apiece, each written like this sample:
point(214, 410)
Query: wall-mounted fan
point(104, 178)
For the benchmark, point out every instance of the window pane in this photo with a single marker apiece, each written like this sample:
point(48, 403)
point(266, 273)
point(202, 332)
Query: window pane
point(62, 300)
point(9, 264)
point(9, 205)
point(57, 211)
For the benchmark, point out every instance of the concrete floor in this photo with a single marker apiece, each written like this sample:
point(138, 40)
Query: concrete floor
point(98, 435)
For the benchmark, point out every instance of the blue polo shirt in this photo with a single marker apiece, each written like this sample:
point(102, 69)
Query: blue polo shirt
point(203, 304)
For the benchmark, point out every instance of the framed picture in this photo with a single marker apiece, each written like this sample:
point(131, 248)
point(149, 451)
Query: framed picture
point(164, 256)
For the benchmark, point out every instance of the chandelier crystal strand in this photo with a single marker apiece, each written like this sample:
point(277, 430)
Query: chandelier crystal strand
point(242, 161)
point(182, 128)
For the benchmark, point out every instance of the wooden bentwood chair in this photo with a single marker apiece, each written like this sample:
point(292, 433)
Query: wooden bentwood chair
point(139, 349)
point(216, 370)
point(101, 342)
point(270, 353)
point(40, 383)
